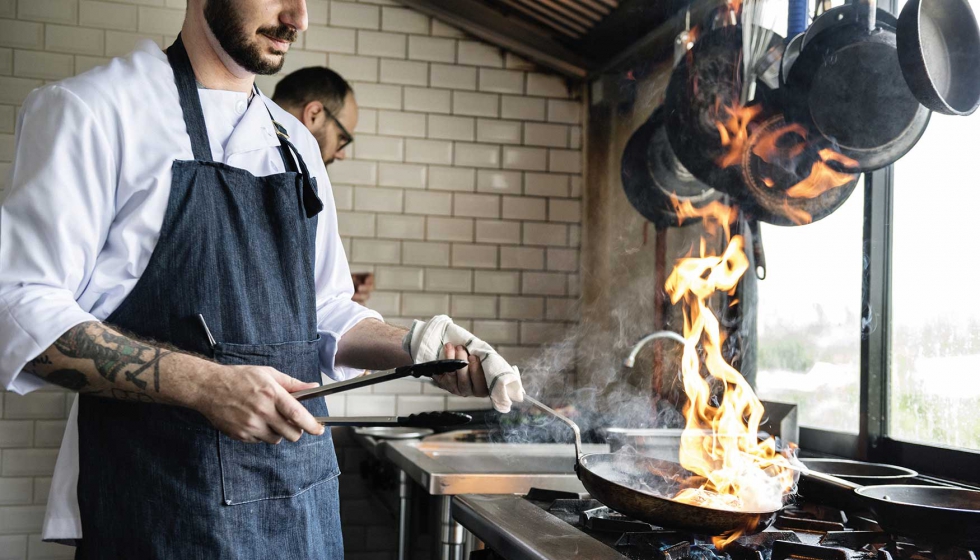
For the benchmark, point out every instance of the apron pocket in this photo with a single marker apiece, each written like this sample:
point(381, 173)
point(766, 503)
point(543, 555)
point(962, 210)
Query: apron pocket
point(260, 471)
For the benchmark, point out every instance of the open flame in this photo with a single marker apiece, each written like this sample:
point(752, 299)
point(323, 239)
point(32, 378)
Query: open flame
point(733, 468)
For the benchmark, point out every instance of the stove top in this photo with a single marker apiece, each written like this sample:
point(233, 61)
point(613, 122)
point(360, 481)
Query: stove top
point(806, 531)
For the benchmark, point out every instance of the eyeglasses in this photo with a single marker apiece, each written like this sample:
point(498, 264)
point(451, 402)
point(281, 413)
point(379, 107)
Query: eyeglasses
point(345, 136)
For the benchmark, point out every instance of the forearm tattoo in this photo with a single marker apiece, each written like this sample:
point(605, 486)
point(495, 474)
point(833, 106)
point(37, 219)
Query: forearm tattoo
point(110, 354)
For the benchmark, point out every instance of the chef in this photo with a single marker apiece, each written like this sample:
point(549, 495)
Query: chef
point(169, 250)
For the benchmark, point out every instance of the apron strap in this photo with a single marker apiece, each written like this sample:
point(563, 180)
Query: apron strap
point(291, 158)
point(190, 102)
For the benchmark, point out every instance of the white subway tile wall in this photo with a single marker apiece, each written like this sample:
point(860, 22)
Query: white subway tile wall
point(462, 192)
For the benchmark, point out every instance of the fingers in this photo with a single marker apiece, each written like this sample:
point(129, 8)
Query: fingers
point(291, 384)
point(478, 378)
point(296, 418)
point(463, 382)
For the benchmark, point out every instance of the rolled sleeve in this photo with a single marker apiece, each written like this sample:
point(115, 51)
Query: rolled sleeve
point(336, 312)
point(53, 222)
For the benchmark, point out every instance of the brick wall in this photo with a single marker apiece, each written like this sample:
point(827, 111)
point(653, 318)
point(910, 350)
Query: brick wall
point(463, 195)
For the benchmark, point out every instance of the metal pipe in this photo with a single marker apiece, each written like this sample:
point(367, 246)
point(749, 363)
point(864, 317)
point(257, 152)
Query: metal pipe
point(867, 14)
point(572, 425)
point(450, 532)
point(404, 503)
point(631, 359)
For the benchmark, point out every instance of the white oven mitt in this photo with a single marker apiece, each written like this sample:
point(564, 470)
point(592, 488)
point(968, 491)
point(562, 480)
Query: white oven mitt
point(425, 340)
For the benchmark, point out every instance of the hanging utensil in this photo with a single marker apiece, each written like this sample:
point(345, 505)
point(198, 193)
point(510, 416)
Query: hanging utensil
point(939, 51)
point(426, 369)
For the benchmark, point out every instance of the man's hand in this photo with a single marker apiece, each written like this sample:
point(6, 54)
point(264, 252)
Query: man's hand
point(466, 382)
point(253, 404)
point(363, 286)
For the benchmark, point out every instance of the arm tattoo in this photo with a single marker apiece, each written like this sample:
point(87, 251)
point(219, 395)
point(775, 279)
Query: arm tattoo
point(110, 353)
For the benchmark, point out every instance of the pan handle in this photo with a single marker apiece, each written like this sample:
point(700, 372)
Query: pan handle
point(572, 425)
point(832, 480)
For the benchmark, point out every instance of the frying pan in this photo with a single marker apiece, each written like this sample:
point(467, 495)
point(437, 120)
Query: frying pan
point(934, 513)
point(939, 50)
point(613, 479)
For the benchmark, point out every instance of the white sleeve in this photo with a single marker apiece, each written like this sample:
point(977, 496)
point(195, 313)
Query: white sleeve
point(53, 223)
point(336, 313)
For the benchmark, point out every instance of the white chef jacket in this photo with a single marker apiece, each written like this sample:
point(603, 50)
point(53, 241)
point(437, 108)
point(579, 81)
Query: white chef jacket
point(88, 189)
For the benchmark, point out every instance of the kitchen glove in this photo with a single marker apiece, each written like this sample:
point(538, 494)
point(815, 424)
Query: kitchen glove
point(425, 340)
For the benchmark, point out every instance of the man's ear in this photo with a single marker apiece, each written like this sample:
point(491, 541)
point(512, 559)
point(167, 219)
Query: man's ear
point(312, 114)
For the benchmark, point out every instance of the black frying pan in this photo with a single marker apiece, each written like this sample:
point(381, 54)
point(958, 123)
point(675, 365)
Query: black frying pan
point(933, 513)
point(939, 50)
point(634, 485)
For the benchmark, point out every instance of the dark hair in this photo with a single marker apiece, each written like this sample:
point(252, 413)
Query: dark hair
point(316, 83)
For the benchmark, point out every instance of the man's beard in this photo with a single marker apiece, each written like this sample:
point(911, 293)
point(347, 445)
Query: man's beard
point(228, 29)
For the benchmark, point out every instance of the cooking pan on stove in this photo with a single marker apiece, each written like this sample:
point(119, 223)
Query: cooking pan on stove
point(626, 483)
point(935, 513)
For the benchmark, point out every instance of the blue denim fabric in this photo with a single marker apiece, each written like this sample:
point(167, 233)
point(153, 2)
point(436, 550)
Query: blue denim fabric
point(157, 481)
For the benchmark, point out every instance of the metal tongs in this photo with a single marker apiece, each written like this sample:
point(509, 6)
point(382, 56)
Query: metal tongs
point(425, 419)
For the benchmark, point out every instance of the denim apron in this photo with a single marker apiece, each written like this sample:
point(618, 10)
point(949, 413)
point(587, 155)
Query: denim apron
point(158, 481)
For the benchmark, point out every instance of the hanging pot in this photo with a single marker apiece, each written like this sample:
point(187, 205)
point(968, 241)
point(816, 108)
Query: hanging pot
point(939, 50)
point(847, 87)
point(651, 175)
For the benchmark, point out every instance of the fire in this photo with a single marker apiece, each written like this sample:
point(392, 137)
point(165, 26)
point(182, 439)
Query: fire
point(739, 472)
point(822, 177)
point(734, 132)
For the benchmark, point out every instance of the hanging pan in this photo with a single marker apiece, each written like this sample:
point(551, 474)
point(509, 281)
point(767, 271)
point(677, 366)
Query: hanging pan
point(847, 87)
point(939, 50)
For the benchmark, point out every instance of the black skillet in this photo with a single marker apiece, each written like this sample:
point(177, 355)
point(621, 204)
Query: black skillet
point(847, 86)
point(939, 50)
point(652, 174)
point(934, 513)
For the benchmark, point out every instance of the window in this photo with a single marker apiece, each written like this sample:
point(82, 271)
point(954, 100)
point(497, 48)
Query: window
point(810, 317)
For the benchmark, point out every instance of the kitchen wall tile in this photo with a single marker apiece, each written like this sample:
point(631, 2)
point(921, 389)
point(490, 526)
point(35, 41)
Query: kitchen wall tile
point(447, 280)
point(496, 332)
point(55, 11)
point(121, 43)
point(564, 260)
point(414, 405)
point(16, 433)
point(575, 138)
point(424, 202)
point(16, 491)
point(36, 405)
point(563, 309)
point(373, 43)
point(474, 256)
point(431, 48)
point(449, 229)
point(451, 178)
point(7, 61)
point(452, 128)
point(524, 258)
point(569, 112)
point(61, 38)
point(367, 121)
point(402, 175)
point(380, 148)
point(544, 283)
point(28, 462)
point(397, 123)
point(546, 85)
point(37, 549)
point(524, 208)
point(404, 20)
point(48, 66)
point(565, 161)
point(15, 90)
point(343, 196)
point(541, 333)
point(429, 151)
point(422, 253)
point(574, 285)
point(523, 108)
point(348, 14)
point(475, 104)
point(376, 251)
point(404, 72)
point(501, 81)
point(564, 210)
point(545, 184)
point(331, 39)
point(502, 132)
point(574, 236)
point(378, 96)
point(428, 100)
point(6, 118)
point(318, 11)
point(575, 186)
point(545, 234)
point(386, 303)
point(468, 403)
point(514, 62)
point(423, 306)
point(372, 199)
point(453, 77)
point(21, 519)
point(499, 182)
point(398, 278)
point(440, 29)
point(401, 227)
point(108, 15)
point(22, 34)
point(494, 231)
point(476, 205)
point(474, 307)
point(477, 155)
point(497, 282)
point(160, 20)
point(549, 135)
point(517, 307)
point(527, 159)
point(371, 405)
point(480, 54)
point(48, 433)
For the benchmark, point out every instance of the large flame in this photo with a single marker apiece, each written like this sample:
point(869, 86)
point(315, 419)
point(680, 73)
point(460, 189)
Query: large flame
point(739, 472)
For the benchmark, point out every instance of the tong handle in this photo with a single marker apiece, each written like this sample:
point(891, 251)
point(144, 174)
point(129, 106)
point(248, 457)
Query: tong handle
point(427, 369)
point(418, 420)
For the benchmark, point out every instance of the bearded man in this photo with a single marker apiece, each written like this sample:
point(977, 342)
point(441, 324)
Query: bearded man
point(169, 250)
